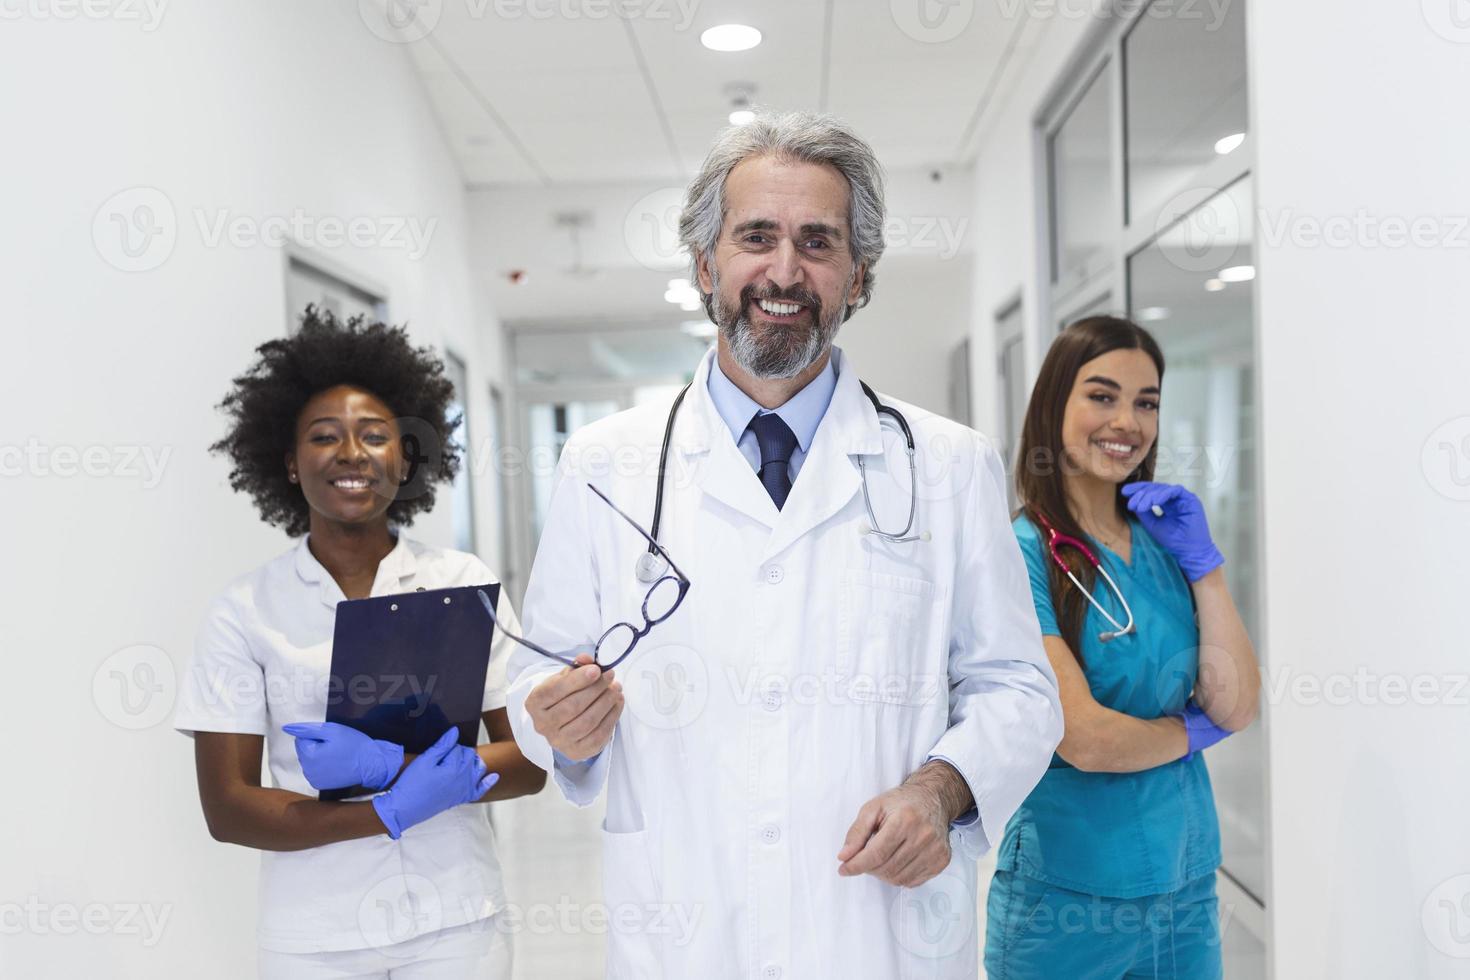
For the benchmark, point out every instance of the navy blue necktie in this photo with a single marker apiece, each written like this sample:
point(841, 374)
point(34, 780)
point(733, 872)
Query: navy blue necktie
point(777, 443)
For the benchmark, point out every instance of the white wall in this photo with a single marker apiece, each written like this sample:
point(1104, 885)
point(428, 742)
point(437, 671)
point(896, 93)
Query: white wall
point(1362, 355)
point(261, 109)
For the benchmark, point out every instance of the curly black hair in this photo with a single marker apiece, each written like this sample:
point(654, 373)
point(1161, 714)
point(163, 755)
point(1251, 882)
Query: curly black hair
point(266, 401)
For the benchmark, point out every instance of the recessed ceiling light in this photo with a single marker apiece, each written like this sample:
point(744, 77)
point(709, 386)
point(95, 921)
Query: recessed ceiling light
point(1150, 313)
point(741, 117)
point(1238, 273)
point(1229, 143)
point(1213, 285)
point(730, 37)
point(684, 295)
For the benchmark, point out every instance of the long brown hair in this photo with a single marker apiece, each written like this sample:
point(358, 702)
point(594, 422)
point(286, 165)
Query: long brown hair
point(1041, 460)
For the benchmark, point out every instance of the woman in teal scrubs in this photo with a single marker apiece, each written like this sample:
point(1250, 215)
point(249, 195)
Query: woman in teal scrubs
point(1107, 870)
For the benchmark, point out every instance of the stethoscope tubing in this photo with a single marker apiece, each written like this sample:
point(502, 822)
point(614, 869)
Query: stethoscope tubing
point(648, 561)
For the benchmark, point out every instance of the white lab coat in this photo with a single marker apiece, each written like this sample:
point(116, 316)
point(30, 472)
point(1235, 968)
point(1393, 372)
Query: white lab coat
point(809, 669)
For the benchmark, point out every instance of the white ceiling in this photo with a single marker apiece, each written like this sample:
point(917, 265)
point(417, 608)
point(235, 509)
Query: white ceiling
point(562, 107)
point(564, 91)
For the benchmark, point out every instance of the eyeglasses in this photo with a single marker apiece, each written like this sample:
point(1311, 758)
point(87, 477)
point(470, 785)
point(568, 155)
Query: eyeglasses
point(663, 597)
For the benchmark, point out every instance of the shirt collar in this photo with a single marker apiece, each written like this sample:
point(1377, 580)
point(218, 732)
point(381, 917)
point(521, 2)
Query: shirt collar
point(802, 412)
point(397, 565)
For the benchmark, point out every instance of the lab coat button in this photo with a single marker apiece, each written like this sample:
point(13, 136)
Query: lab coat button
point(772, 700)
point(770, 833)
point(774, 574)
point(771, 972)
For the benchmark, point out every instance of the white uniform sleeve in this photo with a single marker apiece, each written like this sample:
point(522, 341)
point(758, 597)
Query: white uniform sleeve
point(223, 689)
point(1005, 715)
point(563, 612)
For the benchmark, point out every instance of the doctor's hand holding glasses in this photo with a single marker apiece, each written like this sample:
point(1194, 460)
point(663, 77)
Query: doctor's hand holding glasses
point(577, 709)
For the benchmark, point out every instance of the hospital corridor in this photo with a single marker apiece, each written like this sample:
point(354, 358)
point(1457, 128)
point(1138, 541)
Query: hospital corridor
point(736, 489)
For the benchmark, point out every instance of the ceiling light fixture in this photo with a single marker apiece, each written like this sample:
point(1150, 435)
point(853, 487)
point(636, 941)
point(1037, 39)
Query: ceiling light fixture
point(1229, 143)
point(730, 37)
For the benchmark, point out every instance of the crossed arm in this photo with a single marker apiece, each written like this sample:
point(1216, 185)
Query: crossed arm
point(239, 810)
point(1228, 685)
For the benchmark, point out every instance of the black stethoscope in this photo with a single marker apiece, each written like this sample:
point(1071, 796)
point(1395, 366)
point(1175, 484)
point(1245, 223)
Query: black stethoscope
point(650, 565)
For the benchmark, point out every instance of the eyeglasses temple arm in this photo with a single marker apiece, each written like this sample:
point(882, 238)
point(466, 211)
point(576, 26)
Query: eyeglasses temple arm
point(639, 528)
point(485, 601)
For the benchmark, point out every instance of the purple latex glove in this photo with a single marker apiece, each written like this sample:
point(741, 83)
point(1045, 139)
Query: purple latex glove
point(1201, 731)
point(446, 775)
point(1182, 530)
point(335, 756)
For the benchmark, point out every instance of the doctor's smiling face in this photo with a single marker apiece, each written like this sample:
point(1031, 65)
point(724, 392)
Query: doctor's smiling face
point(348, 456)
point(782, 274)
point(1112, 415)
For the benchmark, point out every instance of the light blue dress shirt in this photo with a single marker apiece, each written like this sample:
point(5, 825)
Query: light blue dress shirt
point(802, 412)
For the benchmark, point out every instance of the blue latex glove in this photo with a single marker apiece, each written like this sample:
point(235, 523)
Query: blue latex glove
point(1201, 731)
point(1182, 530)
point(446, 775)
point(334, 756)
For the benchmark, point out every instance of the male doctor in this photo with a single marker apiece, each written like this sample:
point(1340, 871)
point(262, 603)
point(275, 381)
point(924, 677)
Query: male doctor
point(805, 759)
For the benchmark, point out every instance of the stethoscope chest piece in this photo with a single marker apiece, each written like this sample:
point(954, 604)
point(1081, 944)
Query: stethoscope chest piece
point(651, 568)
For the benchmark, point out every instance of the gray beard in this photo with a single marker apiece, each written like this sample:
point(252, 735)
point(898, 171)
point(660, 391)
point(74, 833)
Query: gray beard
point(776, 354)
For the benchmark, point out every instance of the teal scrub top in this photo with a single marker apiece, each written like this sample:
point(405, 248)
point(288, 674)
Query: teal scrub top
point(1121, 835)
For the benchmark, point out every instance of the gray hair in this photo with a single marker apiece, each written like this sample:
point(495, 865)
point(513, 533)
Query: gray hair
point(808, 137)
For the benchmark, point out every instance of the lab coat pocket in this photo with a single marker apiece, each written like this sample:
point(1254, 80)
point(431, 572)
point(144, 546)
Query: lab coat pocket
point(887, 630)
point(630, 891)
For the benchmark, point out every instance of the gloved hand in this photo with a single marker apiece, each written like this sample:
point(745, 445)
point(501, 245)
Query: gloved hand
point(445, 776)
point(334, 756)
point(1201, 731)
point(1182, 530)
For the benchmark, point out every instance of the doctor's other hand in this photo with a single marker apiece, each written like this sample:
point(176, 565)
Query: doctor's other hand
point(335, 756)
point(446, 775)
point(1182, 530)
point(902, 837)
point(577, 709)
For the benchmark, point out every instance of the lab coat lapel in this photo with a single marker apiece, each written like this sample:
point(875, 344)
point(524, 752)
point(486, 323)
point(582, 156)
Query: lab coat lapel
point(829, 476)
point(706, 455)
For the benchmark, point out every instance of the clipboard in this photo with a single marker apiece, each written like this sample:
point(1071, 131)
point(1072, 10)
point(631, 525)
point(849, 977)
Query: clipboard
point(405, 667)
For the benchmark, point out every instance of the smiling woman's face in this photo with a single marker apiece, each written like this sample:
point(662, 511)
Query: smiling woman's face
point(348, 458)
point(1112, 416)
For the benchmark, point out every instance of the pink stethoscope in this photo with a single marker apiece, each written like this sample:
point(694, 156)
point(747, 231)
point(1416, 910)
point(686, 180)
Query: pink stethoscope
point(1056, 540)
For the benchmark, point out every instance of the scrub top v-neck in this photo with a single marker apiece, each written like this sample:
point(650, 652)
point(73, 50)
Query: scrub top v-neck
point(1122, 835)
